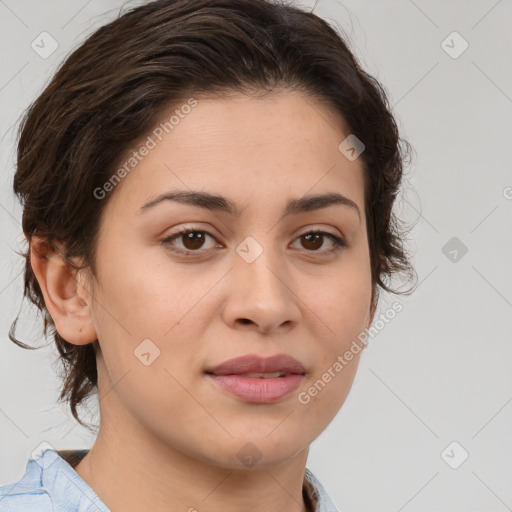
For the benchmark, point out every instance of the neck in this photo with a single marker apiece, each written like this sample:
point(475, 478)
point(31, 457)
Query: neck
point(132, 470)
point(130, 479)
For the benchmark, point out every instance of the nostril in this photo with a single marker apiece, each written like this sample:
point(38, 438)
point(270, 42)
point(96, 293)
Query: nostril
point(245, 320)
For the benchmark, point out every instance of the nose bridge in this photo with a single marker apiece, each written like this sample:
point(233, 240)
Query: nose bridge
point(262, 293)
point(258, 266)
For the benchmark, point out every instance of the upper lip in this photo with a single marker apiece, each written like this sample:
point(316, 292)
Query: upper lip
point(257, 364)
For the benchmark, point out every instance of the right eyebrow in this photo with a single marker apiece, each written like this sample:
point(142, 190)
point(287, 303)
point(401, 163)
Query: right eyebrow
point(219, 203)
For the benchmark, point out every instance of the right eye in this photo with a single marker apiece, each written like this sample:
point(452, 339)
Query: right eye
point(192, 240)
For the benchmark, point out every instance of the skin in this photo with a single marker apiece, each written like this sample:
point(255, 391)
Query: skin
point(169, 438)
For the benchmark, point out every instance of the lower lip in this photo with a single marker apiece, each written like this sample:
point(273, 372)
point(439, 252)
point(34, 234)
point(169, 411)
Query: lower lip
point(257, 390)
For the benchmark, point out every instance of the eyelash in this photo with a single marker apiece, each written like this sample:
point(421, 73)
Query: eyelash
point(339, 242)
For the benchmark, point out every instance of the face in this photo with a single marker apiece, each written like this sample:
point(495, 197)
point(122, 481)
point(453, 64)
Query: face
point(256, 280)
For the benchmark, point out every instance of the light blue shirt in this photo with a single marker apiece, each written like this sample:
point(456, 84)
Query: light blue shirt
point(50, 484)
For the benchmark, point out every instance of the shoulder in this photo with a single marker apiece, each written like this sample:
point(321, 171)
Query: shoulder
point(26, 494)
point(320, 500)
point(50, 484)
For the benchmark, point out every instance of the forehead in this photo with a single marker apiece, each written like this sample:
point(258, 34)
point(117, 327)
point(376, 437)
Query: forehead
point(251, 149)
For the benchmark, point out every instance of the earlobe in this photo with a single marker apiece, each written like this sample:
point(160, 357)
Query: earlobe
point(66, 299)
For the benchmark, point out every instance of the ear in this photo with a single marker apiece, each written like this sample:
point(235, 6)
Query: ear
point(65, 297)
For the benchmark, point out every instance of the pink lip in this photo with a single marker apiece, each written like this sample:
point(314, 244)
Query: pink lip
point(257, 364)
point(228, 376)
point(257, 390)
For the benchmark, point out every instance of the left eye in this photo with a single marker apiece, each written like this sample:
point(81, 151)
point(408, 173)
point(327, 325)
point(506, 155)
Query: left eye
point(193, 240)
point(312, 239)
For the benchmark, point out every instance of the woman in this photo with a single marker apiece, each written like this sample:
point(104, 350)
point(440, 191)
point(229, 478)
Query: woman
point(207, 189)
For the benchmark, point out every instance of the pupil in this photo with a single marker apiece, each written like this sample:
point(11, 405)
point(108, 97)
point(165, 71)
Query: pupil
point(312, 238)
point(195, 238)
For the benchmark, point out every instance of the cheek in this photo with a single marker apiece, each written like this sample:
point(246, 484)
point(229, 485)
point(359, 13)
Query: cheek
point(344, 310)
point(344, 304)
point(145, 297)
point(326, 391)
point(146, 312)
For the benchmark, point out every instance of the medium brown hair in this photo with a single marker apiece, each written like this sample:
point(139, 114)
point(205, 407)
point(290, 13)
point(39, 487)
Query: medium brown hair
point(113, 89)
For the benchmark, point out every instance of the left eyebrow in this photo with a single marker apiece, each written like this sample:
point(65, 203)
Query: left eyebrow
point(219, 203)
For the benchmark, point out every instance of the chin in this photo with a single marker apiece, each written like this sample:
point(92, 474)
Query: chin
point(254, 452)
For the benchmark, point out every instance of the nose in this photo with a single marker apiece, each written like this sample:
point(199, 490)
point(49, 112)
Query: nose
point(261, 296)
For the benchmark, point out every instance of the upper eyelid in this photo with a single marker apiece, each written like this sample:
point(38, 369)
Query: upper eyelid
point(187, 229)
point(193, 229)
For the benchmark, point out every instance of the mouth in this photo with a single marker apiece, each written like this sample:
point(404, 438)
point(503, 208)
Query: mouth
point(272, 375)
point(258, 380)
point(255, 366)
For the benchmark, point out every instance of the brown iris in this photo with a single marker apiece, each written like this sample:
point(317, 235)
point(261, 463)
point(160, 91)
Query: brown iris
point(195, 239)
point(313, 238)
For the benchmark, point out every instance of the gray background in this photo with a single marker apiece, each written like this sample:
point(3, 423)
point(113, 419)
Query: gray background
point(441, 370)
